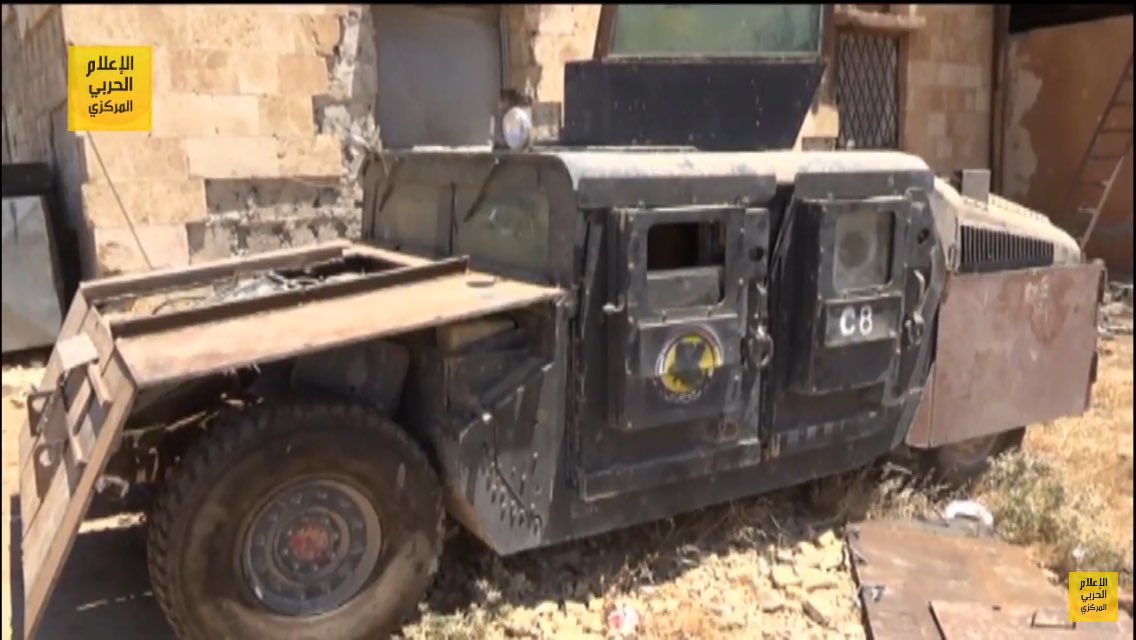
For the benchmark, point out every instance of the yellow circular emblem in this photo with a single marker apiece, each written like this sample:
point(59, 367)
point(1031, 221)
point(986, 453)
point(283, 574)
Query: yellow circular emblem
point(686, 364)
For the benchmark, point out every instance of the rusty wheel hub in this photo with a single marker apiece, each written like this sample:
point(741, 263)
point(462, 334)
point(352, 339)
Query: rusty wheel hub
point(311, 547)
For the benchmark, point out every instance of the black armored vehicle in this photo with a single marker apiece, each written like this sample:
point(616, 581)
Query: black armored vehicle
point(667, 308)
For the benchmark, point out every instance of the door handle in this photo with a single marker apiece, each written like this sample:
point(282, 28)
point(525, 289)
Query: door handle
point(618, 306)
point(759, 347)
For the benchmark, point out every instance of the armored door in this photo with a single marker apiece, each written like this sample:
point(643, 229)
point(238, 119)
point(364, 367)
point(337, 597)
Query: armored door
point(685, 302)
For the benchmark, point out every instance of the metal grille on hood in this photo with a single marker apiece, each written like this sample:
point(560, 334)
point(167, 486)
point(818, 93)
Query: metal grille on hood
point(993, 250)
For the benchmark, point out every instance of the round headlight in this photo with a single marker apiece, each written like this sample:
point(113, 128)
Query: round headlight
point(516, 126)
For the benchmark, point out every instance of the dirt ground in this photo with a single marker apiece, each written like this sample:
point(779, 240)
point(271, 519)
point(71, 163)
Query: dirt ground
point(721, 573)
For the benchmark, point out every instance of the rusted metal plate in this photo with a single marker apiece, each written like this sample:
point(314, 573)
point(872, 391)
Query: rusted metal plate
point(1014, 348)
point(183, 353)
point(52, 508)
point(984, 621)
point(902, 567)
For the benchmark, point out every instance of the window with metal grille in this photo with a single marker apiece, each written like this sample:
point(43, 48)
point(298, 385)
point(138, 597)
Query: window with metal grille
point(986, 250)
point(867, 90)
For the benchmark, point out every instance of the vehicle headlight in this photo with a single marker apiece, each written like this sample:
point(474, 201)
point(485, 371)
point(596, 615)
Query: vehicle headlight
point(516, 126)
point(863, 249)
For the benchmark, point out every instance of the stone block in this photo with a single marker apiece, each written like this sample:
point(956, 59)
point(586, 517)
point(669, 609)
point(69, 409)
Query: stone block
point(203, 71)
point(93, 24)
point(258, 74)
point(133, 155)
point(982, 100)
point(230, 157)
point(286, 116)
point(123, 251)
point(318, 34)
point(236, 115)
point(318, 156)
point(936, 124)
point(230, 28)
point(160, 60)
point(302, 74)
point(147, 202)
point(181, 114)
point(569, 19)
point(166, 25)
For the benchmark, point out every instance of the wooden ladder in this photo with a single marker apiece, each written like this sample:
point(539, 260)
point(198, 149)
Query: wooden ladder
point(1109, 145)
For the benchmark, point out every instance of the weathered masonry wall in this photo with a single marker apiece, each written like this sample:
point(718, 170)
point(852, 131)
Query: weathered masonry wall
point(251, 108)
point(947, 86)
point(1059, 81)
point(246, 152)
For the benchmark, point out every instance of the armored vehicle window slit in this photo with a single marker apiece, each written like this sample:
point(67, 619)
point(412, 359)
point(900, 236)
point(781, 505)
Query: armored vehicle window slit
point(685, 265)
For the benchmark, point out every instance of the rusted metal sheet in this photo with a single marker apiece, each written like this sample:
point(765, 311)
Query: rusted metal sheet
point(68, 450)
point(1014, 348)
point(920, 432)
point(179, 354)
point(985, 621)
point(100, 363)
point(902, 567)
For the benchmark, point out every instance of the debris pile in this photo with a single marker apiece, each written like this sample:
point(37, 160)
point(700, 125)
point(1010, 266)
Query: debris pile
point(1116, 310)
point(790, 588)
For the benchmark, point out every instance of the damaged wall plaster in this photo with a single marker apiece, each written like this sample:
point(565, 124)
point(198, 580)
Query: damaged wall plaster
point(258, 214)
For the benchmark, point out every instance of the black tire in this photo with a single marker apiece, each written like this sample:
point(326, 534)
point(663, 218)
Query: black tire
point(959, 464)
point(203, 515)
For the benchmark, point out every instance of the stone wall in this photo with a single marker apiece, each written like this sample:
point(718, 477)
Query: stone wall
point(949, 69)
point(251, 109)
point(541, 38)
point(246, 151)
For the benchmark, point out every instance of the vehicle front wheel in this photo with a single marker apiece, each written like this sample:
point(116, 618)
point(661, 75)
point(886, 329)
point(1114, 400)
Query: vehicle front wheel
point(963, 462)
point(308, 520)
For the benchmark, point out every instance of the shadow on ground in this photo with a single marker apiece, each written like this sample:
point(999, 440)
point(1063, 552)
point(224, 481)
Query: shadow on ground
point(103, 593)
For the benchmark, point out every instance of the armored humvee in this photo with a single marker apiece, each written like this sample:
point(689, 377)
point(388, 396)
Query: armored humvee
point(667, 308)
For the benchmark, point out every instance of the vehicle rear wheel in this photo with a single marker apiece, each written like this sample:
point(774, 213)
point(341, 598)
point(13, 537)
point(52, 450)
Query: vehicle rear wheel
point(304, 520)
point(963, 462)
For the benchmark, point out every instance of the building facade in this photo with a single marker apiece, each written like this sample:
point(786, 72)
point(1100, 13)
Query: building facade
point(253, 105)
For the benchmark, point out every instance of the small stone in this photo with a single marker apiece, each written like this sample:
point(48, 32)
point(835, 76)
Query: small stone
point(575, 608)
point(596, 604)
point(815, 579)
point(828, 539)
point(771, 601)
point(547, 608)
point(591, 622)
point(852, 630)
point(785, 576)
point(810, 557)
point(785, 556)
point(832, 557)
point(820, 609)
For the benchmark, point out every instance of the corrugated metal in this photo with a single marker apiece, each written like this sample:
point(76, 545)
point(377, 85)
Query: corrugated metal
point(32, 312)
